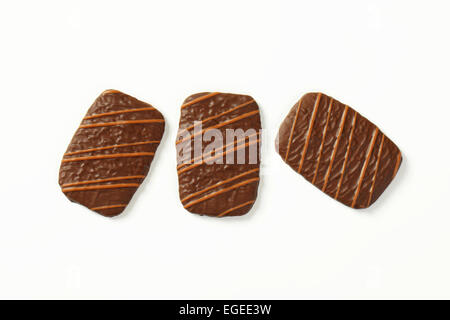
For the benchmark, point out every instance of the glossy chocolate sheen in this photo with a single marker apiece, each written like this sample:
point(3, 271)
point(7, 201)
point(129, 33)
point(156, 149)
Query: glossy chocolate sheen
point(338, 150)
point(227, 189)
point(111, 152)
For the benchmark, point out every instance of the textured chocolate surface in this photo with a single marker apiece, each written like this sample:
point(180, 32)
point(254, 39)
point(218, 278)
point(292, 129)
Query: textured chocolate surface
point(111, 152)
point(219, 189)
point(338, 150)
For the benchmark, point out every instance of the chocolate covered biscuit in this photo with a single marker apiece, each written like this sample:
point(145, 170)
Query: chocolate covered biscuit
point(111, 152)
point(218, 154)
point(338, 150)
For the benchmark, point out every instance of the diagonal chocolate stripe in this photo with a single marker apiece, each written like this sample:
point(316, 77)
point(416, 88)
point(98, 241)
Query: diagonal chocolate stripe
point(110, 147)
point(110, 156)
point(347, 153)
point(222, 114)
point(372, 187)
point(245, 115)
point(118, 123)
point(397, 164)
point(112, 113)
point(336, 144)
point(366, 163)
point(310, 127)
point(292, 130)
point(206, 96)
point(217, 156)
point(209, 196)
point(109, 207)
point(235, 208)
point(101, 187)
point(78, 183)
point(324, 134)
point(192, 195)
point(237, 143)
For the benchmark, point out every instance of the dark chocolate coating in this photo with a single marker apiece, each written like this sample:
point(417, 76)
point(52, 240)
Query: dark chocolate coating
point(111, 152)
point(219, 189)
point(338, 150)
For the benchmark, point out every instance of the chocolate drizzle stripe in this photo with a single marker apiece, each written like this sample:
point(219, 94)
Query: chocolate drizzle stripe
point(206, 96)
point(117, 112)
point(245, 115)
point(118, 123)
point(102, 180)
point(222, 149)
point(209, 196)
point(217, 156)
point(363, 171)
point(372, 187)
point(101, 187)
point(292, 129)
point(109, 91)
point(235, 208)
point(219, 184)
point(223, 113)
point(397, 164)
point(347, 153)
point(109, 207)
point(111, 156)
point(111, 147)
point(336, 144)
point(324, 133)
point(310, 127)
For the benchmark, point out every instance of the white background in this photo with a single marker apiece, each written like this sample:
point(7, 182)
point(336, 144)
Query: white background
point(387, 59)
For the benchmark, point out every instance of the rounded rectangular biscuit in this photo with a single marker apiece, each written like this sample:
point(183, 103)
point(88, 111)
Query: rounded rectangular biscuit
point(218, 145)
point(338, 150)
point(111, 152)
